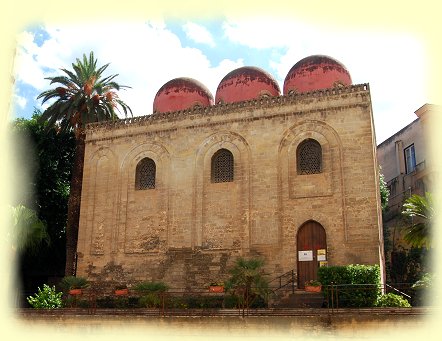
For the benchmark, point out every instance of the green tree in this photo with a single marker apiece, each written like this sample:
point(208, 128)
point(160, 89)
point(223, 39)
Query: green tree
point(47, 155)
point(83, 96)
point(28, 230)
point(420, 210)
point(248, 280)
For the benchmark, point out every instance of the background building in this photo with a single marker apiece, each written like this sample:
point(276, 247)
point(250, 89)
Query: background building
point(178, 195)
point(407, 169)
point(404, 163)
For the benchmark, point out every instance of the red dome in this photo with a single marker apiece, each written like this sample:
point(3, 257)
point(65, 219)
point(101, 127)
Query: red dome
point(181, 94)
point(314, 73)
point(244, 84)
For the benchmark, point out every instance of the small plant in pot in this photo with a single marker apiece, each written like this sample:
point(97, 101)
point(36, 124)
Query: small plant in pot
point(313, 286)
point(121, 289)
point(216, 287)
point(73, 285)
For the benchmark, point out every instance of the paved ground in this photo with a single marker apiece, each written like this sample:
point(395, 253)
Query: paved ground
point(217, 324)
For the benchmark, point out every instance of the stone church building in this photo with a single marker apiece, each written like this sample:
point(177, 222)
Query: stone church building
point(178, 195)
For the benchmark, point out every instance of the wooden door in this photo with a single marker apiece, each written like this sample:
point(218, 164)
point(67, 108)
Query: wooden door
point(310, 238)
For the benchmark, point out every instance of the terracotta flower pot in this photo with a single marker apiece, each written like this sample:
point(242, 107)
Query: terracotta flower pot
point(120, 292)
point(313, 289)
point(216, 288)
point(75, 292)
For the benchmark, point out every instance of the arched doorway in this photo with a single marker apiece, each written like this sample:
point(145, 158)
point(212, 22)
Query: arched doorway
point(310, 238)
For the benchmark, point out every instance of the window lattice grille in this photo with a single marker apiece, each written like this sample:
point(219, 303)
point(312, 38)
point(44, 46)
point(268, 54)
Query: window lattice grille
point(309, 157)
point(222, 166)
point(145, 174)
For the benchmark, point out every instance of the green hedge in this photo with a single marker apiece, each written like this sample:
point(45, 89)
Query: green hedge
point(353, 285)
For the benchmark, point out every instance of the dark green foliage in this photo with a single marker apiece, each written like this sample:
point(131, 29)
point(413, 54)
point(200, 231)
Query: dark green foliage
point(194, 302)
point(353, 285)
point(151, 300)
point(407, 266)
point(48, 298)
point(151, 293)
point(231, 301)
point(420, 210)
point(392, 300)
point(48, 158)
point(106, 302)
point(248, 281)
point(151, 287)
point(83, 95)
point(28, 231)
point(72, 282)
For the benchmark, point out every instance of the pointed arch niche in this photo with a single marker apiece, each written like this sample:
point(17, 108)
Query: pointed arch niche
point(98, 222)
point(143, 214)
point(315, 183)
point(221, 209)
point(297, 189)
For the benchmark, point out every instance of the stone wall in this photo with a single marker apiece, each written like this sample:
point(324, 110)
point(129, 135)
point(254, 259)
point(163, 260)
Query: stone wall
point(188, 231)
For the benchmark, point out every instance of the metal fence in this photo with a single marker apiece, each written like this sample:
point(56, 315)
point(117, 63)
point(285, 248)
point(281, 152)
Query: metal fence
point(203, 302)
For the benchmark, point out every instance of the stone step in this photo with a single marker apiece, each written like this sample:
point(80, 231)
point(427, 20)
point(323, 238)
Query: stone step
point(301, 299)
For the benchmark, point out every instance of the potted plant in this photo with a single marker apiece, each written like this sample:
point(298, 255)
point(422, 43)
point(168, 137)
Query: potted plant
point(216, 287)
point(121, 290)
point(313, 286)
point(73, 285)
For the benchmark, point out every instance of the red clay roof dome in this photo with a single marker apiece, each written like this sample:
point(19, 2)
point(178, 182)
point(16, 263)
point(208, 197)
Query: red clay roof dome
point(180, 94)
point(314, 73)
point(246, 83)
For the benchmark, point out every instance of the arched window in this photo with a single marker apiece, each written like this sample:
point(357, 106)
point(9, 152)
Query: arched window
point(309, 157)
point(222, 166)
point(145, 174)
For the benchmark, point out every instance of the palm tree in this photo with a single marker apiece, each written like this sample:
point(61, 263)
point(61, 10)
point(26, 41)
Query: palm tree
point(83, 96)
point(247, 280)
point(421, 211)
point(28, 230)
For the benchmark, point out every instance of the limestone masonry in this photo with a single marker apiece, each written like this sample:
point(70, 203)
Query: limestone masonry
point(178, 195)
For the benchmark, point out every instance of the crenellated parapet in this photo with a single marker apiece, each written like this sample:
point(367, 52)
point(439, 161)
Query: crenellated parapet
point(224, 108)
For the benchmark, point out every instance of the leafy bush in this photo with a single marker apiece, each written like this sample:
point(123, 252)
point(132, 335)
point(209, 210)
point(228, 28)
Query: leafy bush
point(151, 293)
point(231, 301)
point(392, 300)
point(47, 298)
point(150, 300)
point(354, 285)
point(424, 283)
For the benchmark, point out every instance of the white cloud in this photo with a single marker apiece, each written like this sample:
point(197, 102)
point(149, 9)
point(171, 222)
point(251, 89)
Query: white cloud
point(198, 34)
point(20, 101)
point(145, 55)
point(393, 63)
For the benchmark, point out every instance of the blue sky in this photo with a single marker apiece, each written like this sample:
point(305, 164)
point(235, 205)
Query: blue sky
point(147, 54)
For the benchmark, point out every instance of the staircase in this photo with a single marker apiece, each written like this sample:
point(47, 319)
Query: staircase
point(287, 295)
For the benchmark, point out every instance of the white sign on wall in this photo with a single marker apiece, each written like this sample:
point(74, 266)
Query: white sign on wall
point(305, 256)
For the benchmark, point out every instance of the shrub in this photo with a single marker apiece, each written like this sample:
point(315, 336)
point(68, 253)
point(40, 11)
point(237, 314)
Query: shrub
point(356, 285)
point(392, 300)
point(72, 282)
point(151, 293)
point(150, 300)
point(231, 301)
point(47, 298)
